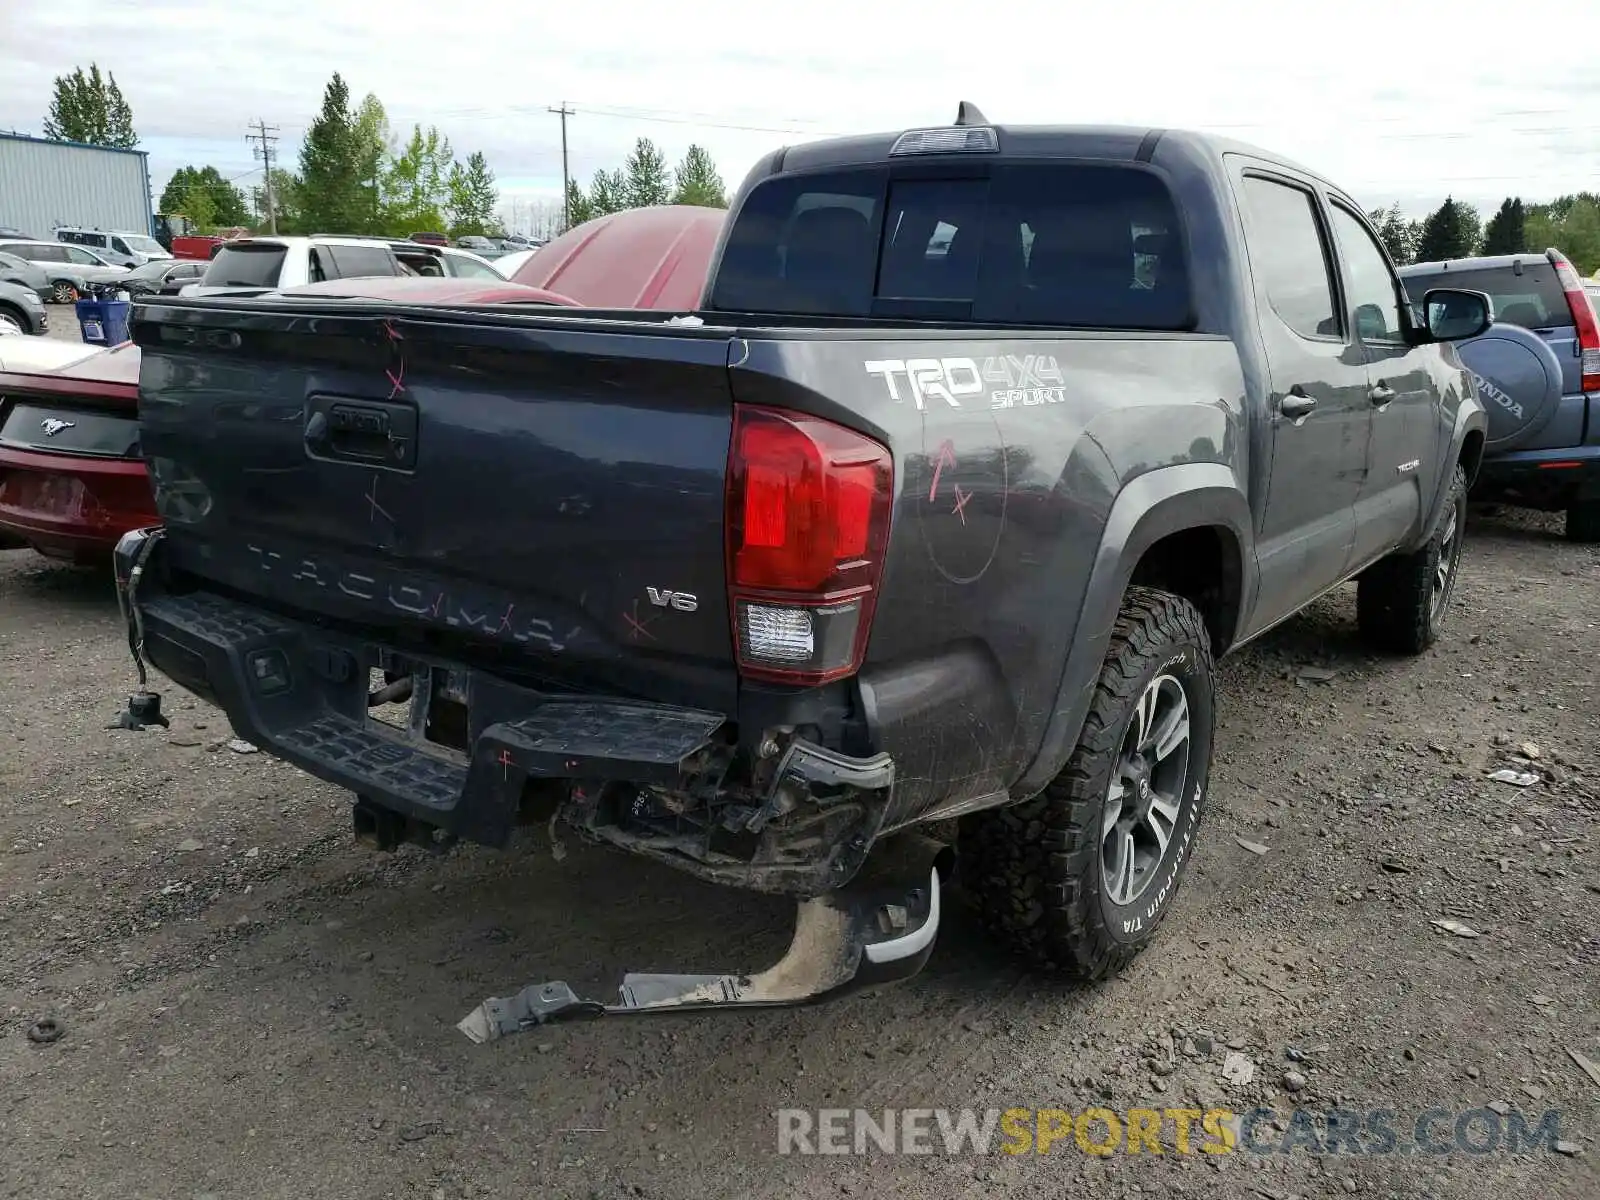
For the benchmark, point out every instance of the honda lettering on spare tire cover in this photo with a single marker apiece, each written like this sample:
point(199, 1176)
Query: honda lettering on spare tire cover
point(1518, 379)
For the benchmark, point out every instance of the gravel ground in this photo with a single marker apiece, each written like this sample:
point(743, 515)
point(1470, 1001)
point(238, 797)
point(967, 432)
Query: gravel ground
point(254, 1006)
point(63, 324)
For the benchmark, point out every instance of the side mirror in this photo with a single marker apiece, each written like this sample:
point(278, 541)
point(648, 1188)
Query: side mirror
point(1453, 315)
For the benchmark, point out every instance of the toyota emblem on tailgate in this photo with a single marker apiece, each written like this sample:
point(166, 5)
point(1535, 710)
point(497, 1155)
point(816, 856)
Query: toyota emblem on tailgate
point(53, 426)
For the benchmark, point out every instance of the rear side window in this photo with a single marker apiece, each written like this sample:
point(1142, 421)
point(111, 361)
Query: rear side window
point(1533, 299)
point(1289, 254)
point(469, 269)
point(245, 266)
point(358, 262)
point(1055, 245)
point(804, 245)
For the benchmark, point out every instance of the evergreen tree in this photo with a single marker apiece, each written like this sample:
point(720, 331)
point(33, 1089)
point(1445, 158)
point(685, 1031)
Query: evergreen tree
point(696, 181)
point(646, 176)
point(473, 197)
point(1451, 231)
point(608, 193)
point(90, 108)
point(330, 182)
point(1507, 229)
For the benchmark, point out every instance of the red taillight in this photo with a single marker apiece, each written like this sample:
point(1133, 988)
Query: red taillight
point(1583, 320)
point(807, 521)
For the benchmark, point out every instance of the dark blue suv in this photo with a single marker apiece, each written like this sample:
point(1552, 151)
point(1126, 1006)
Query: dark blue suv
point(1537, 369)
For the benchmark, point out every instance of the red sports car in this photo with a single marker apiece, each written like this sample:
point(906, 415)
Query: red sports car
point(71, 479)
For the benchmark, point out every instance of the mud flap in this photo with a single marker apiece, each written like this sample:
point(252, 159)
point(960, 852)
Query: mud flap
point(843, 941)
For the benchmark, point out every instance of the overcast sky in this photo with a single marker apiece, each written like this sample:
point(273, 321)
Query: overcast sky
point(1397, 101)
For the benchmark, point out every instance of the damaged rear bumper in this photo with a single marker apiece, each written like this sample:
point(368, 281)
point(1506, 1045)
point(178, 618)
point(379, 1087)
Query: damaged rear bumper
point(668, 783)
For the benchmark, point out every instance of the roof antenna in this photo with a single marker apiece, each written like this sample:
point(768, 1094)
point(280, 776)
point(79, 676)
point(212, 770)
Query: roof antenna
point(968, 114)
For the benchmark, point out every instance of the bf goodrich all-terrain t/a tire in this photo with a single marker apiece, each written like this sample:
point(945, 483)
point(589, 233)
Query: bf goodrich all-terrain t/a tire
point(1079, 877)
point(1402, 600)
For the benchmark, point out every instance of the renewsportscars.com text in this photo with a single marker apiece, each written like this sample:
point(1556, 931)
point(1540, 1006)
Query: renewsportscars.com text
point(1183, 1131)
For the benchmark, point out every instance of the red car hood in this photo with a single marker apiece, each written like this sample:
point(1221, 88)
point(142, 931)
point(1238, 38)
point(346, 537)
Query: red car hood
point(56, 360)
point(655, 258)
point(414, 289)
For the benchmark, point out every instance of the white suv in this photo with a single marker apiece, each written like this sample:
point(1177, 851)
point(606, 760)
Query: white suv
point(270, 263)
point(118, 248)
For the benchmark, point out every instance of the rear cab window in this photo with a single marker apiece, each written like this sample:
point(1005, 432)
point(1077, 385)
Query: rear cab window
point(252, 264)
point(1533, 299)
point(1066, 245)
point(357, 262)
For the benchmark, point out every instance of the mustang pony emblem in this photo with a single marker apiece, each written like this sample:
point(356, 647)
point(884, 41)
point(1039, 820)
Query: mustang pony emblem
point(53, 426)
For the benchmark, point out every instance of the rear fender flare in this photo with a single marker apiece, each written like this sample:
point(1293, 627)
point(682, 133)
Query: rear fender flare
point(1153, 506)
point(1470, 418)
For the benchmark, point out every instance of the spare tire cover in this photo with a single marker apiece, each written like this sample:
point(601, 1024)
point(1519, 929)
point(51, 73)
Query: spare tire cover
point(1518, 380)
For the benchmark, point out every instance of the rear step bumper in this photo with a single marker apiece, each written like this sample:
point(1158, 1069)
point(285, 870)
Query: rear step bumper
point(299, 692)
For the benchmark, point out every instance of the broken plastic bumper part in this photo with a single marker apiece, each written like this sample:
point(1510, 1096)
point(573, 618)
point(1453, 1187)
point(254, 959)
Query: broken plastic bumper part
point(843, 942)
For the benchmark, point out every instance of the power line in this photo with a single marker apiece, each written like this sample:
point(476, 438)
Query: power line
point(263, 140)
point(566, 179)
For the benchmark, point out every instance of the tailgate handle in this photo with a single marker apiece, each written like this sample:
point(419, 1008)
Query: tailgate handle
point(362, 432)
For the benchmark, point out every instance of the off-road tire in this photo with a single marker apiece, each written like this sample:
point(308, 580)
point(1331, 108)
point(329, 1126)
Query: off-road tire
point(1583, 522)
point(1033, 870)
point(1397, 606)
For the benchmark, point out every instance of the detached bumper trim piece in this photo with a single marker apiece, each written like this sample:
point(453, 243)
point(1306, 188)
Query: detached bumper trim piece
point(843, 942)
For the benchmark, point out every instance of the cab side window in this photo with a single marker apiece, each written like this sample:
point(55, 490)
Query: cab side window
point(1369, 281)
point(1290, 256)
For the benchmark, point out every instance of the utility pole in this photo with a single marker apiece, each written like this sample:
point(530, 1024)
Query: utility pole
point(566, 180)
point(263, 139)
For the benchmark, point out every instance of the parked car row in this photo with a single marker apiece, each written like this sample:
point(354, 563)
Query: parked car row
point(68, 268)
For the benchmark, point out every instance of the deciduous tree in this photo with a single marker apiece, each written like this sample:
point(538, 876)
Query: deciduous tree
point(89, 107)
point(227, 203)
point(416, 189)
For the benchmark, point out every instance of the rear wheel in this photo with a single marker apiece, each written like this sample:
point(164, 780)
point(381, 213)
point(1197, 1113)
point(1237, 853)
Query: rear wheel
point(63, 292)
point(1078, 878)
point(1402, 600)
point(1583, 521)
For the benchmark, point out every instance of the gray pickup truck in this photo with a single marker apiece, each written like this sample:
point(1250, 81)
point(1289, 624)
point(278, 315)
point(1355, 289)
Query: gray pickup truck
point(984, 443)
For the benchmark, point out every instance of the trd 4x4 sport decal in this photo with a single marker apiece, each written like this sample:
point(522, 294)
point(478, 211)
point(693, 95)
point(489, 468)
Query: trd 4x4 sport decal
point(1011, 380)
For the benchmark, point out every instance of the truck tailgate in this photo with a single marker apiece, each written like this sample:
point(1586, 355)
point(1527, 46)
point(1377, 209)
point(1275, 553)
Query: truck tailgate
point(473, 484)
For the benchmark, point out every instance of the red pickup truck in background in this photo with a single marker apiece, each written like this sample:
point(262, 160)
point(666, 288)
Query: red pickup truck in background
point(72, 477)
